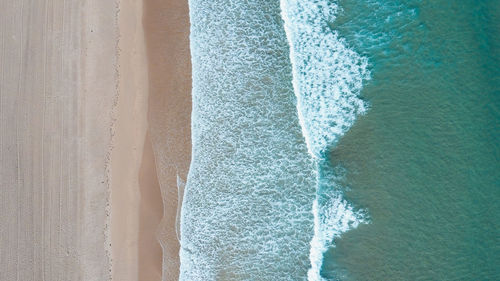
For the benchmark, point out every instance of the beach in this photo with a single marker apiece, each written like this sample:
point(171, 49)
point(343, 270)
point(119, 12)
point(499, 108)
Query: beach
point(151, 144)
point(129, 139)
point(57, 90)
point(95, 118)
point(166, 25)
point(194, 140)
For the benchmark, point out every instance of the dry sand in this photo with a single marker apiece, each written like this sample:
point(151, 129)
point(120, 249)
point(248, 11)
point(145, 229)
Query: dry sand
point(57, 89)
point(166, 24)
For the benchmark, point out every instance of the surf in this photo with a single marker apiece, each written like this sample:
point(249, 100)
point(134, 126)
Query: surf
point(246, 212)
point(327, 80)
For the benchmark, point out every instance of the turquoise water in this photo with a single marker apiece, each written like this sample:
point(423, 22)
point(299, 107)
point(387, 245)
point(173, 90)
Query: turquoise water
point(424, 160)
point(343, 140)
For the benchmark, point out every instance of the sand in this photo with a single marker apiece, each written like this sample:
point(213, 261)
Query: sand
point(135, 193)
point(166, 24)
point(128, 142)
point(57, 89)
point(150, 214)
point(151, 145)
point(94, 119)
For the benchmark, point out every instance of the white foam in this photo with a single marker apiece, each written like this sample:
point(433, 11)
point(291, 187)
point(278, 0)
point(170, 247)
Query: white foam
point(333, 215)
point(328, 75)
point(246, 213)
point(327, 79)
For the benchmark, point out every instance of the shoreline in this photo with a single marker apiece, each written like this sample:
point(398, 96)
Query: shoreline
point(166, 27)
point(151, 142)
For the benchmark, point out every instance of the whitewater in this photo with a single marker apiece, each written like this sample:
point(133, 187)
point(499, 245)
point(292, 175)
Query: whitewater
point(327, 80)
point(274, 88)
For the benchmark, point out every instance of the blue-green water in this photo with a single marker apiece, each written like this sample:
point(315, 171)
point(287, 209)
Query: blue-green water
point(343, 140)
point(424, 160)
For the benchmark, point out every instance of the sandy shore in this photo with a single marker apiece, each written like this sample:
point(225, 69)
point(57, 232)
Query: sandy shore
point(57, 89)
point(129, 141)
point(151, 145)
point(166, 25)
point(94, 119)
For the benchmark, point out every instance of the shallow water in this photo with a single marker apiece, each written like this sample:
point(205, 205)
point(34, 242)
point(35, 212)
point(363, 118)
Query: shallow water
point(246, 213)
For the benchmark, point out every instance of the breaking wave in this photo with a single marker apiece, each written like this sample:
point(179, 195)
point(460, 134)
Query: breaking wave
point(327, 80)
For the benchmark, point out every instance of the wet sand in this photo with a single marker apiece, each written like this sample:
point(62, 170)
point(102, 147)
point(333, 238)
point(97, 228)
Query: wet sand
point(151, 145)
point(166, 24)
point(150, 214)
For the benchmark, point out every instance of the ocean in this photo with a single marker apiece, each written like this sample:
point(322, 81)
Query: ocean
point(343, 140)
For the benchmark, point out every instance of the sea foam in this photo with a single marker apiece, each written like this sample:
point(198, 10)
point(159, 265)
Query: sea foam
point(327, 79)
point(327, 75)
point(246, 213)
